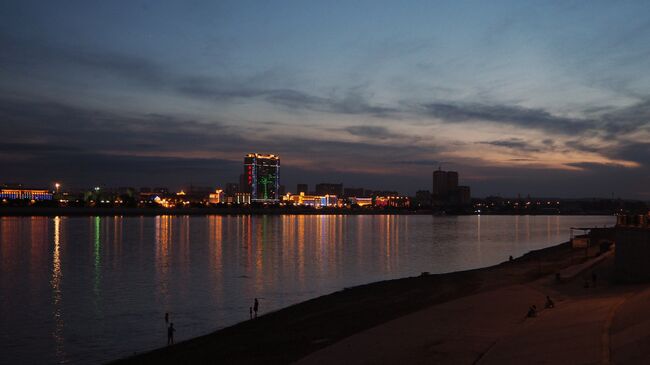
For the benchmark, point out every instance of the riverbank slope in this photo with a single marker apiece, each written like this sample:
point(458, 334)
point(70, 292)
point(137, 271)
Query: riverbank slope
point(594, 320)
point(292, 333)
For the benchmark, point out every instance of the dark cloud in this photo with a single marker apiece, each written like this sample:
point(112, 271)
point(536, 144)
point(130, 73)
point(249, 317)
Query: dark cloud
point(612, 125)
point(635, 151)
point(129, 67)
point(58, 128)
point(85, 169)
point(50, 140)
point(628, 119)
point(85, 148)
point(34, 147)
point(503, 114)
point(580, 145)
point(358, 154)
point(370, 131)
point(353, 102)
point(513, 143)
point(31, 54)
point(592, 180)
point(434, 163)
point(36, 55)
point(215, 89)
point(590, 165)
point(53, 141)
point(638, 152)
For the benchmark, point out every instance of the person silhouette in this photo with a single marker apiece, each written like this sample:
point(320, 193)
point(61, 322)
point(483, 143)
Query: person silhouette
point(170, 334)
point(167, 317)
point(256, 307)
point(549, 303)
point(250, 312)
point(532, 312)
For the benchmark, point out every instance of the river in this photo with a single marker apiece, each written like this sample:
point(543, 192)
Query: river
point(94, 289)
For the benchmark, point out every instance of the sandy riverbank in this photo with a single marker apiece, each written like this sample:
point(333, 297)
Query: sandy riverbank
point(600, 323)
point(292, 333)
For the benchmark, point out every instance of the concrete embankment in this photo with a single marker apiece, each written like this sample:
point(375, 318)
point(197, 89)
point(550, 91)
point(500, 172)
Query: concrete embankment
point(290, 334)
point(594, 320)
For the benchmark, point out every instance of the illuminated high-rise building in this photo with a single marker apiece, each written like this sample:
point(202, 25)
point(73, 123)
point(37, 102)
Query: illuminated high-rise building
point(262, 177)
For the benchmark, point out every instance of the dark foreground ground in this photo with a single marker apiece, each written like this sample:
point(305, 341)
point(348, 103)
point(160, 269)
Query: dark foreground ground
point(290, 334)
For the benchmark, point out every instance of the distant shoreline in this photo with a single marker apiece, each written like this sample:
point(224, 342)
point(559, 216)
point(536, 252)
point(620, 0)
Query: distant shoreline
point(88, 211)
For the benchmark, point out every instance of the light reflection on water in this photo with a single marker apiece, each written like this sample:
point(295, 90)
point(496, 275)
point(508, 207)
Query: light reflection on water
point(56, 291)
point(80, 290)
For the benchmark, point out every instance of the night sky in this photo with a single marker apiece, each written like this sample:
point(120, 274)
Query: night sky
point(548, 98)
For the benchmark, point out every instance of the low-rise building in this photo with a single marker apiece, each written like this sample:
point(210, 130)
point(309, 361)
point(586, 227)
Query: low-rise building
point(242, 198)
point(391, 202)
point(316, 201)
point(218, 197)
point(362, 202)
point(24, 194)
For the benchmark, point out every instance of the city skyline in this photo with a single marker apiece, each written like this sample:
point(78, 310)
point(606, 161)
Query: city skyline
point(539, 98)
point(245, 183)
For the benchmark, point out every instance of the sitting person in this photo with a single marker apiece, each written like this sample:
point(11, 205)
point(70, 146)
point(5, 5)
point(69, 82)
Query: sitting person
point(532, 312)
point(549, 303)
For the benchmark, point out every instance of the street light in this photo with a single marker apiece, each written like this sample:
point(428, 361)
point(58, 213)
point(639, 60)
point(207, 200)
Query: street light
point(57, 186)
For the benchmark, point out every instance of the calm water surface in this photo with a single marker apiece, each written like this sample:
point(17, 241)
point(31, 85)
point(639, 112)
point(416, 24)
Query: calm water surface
point(93, 289)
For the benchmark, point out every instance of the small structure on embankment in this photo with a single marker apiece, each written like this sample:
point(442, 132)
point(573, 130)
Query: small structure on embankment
point(602, 237)
point(632, 237)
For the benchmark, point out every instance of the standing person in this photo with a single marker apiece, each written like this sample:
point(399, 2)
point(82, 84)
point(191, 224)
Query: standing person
point(256, 306)
point(250, 312)
point(170, 334)
point(166, 317)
